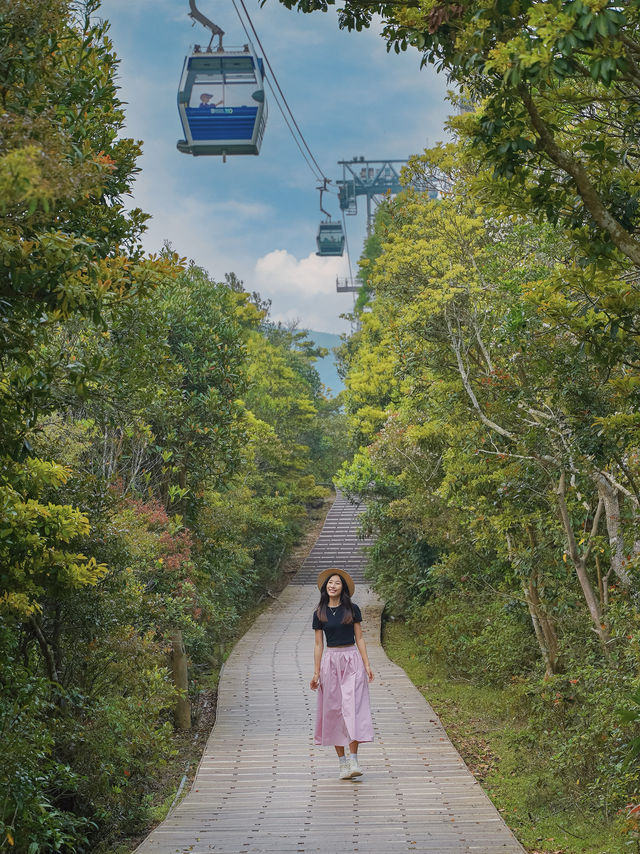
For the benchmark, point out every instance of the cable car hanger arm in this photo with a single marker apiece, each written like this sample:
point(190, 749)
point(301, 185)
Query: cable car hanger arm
point(322, 188)
point(197, 15)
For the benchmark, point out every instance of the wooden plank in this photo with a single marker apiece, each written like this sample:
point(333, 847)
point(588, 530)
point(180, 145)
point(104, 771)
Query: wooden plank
point(262, 785)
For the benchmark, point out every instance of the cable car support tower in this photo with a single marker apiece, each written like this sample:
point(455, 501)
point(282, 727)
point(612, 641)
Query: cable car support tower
point(372, 179)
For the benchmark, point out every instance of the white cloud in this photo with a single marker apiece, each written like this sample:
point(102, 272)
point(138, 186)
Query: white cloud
point(284, 273)
point(211, 232)
point(303, 289)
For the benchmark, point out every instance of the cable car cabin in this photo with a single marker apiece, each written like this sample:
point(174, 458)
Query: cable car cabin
point(221, 102)
point(330, 239)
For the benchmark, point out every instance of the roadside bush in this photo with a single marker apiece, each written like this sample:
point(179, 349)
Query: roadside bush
point(576, 718)
point(32, 777)
point(477, 637)
point(243, 538)
point(400, 564)
point(118, 738)
point(573, 721)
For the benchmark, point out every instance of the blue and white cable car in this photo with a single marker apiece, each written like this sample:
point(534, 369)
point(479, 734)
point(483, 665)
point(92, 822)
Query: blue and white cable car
point(221, 98)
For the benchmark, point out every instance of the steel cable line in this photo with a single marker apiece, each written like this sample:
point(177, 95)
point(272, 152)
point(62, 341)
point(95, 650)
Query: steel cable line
point(277, 100)
point(300, 140)
point(291, 131)
point(282, 95)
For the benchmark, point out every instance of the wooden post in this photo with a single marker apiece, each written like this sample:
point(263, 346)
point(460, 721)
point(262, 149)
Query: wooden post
point(182, 712)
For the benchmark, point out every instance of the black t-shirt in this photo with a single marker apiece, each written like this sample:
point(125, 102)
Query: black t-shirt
point(337, 633)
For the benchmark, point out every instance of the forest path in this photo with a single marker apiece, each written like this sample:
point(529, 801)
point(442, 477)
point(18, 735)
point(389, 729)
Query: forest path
point(262, 785)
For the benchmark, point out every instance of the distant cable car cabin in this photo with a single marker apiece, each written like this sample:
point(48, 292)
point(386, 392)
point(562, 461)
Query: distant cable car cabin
point(330, 239)
point(221, 102)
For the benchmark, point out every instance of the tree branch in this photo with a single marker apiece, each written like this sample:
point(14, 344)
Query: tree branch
point(467, 386)
point(573, 167)
point(46, 650)
point(594, 530)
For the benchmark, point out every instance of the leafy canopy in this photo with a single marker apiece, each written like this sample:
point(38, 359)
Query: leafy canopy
point(554, 86)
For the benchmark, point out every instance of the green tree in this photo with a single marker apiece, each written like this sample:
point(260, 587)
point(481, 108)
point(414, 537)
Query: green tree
point(69, 252)
point(555, 85)
point(63, 239)
point(469, 348)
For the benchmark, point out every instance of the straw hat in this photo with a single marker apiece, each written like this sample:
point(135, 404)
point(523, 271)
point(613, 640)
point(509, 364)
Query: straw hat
point(344, 575)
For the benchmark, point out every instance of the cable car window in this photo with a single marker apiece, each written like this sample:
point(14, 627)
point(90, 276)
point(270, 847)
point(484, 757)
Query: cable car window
point(208, 77)
point(239, 94)
point(241, 64)
point(207, 94)
point(240, 76)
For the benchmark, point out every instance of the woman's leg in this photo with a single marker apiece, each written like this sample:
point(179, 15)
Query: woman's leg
point(354, 768)
point(345, 767)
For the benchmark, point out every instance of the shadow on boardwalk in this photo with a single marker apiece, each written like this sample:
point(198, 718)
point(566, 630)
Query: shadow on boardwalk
point(263, 786)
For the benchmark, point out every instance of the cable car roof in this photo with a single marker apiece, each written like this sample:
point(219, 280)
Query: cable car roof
point(229, 60)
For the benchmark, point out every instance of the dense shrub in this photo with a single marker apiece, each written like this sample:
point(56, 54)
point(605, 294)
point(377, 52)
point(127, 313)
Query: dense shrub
point(572, 719)
point(32, 777)
point(118, 737)
point(477, 637)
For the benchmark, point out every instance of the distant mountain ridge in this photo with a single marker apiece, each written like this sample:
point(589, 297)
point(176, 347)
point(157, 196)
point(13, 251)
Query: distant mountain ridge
point(327, 367)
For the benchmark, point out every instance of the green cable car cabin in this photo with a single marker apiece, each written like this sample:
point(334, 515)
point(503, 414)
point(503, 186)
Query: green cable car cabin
point(330, 239)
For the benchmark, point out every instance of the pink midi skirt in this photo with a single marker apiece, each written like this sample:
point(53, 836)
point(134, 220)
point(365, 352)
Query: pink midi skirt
point(344, 713)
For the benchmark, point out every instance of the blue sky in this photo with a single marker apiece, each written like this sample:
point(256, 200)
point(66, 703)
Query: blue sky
point(258, 216)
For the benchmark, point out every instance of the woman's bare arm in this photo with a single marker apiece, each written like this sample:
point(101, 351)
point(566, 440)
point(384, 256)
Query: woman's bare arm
point(317, 657)
point(362, 647)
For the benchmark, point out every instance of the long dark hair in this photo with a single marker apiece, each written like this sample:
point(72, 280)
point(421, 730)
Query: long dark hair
point(345, 601)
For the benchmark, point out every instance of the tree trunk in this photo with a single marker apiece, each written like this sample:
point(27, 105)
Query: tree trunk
point(56, 635)
point(548, 665)
point(580, 561)
point(45, 648)
point(614, 529)
point(182, 712)
point(543, 626)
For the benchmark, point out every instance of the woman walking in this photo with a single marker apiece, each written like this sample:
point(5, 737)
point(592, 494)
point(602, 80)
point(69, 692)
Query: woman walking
point(341, 671)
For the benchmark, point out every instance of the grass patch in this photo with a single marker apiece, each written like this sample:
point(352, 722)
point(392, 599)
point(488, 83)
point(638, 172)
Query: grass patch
point(488, 727)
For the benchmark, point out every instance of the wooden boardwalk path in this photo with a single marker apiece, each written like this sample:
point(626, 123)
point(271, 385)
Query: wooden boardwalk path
point(262, 785)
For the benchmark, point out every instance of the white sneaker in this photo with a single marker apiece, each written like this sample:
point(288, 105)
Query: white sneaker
point(354, 768)
point(345, 771)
